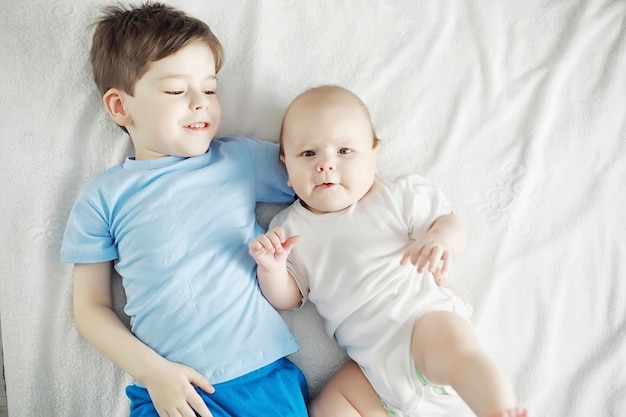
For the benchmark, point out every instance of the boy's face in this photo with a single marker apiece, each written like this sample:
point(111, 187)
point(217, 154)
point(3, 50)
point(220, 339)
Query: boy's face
point(174, 109)
point(329, 150)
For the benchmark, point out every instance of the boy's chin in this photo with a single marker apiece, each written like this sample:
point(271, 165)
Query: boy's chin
point(195, 151)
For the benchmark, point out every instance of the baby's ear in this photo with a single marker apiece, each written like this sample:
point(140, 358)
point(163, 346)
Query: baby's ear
point(114, 104)
point(282, 158)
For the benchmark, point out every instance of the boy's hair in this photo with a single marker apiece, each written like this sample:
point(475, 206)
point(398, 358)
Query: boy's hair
point(125, 41)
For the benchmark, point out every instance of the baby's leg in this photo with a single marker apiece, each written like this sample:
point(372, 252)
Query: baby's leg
point(347, 394)
point(445, 348)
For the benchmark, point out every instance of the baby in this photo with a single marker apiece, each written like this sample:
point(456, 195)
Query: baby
point(372, 256)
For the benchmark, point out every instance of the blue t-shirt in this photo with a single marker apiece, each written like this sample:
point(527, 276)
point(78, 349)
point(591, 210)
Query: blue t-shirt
point(177, 230)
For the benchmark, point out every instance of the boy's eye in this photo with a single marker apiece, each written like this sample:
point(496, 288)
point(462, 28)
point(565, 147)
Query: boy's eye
point(308, 154)
point(345, 151)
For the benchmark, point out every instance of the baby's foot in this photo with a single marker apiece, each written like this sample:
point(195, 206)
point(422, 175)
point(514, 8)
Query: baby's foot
point(514, 412)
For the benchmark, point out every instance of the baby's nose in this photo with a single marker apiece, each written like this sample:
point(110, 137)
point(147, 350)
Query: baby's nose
point(325, 166)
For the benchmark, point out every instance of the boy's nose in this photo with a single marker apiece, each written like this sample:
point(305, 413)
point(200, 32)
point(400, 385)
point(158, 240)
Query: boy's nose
point(200, 101)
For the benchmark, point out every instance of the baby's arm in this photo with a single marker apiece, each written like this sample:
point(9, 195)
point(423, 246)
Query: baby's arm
point(445, 238)
point(270, 252)
point(169, 384)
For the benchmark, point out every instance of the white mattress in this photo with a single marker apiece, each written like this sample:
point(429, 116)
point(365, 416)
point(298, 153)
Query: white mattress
point(516, 108)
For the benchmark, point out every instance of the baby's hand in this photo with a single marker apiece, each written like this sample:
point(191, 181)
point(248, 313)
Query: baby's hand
point(432, 251)
point(271, 249)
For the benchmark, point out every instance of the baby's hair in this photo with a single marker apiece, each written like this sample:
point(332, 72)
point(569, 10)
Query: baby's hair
point(127, 40)
point(328, 89)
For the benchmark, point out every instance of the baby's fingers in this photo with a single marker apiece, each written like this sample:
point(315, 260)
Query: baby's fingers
point(423, 260)
point(445, 262)
point(261, 245)
point(411, 256)
point(278, 231)
point(405, 258)
point(276, 241)
point(290, 243)
point(255, 247)
point(435, 259)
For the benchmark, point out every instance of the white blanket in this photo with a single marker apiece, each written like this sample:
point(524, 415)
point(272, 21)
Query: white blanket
point(516, 108)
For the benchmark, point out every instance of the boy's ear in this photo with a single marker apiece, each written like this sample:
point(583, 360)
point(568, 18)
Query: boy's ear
point(114, 104)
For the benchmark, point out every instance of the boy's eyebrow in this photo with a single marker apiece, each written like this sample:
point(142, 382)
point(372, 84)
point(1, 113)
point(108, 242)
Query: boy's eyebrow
point(168, 76)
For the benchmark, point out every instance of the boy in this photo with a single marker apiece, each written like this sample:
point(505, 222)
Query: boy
point(173, 220)
point(358, 248)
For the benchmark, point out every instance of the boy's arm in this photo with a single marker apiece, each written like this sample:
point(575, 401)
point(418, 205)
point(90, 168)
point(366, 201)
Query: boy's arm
point(270, 252)
point(270, 174)
point(168, 383)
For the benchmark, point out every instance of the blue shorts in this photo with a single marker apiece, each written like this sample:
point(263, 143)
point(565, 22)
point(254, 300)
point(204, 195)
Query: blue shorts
point(276, 390)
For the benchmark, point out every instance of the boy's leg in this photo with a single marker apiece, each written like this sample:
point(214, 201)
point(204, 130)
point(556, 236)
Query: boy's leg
point(445, 348)
point(348, 394)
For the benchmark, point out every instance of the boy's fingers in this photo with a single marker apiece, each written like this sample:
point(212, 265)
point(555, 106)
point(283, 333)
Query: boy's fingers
point(199, 380)
point(194, 399)
point(199, 406)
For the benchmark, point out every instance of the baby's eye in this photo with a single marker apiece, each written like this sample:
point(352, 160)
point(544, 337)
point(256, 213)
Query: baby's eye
point(174, 93)
point(345, 151)
point(209, 92)
point(308, 154)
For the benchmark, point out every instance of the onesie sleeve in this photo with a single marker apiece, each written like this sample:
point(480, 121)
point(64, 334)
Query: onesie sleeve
point(87, 238)
point(420, 202)
point(301, 282)
point(269, 173)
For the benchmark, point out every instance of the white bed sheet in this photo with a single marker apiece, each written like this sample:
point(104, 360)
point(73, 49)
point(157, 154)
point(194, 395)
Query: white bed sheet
point(517, 109)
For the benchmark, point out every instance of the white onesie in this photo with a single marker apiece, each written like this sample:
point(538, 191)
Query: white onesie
point(348, 264)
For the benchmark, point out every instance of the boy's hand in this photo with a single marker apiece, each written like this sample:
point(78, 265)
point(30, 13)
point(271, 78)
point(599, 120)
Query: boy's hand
point(171, 388)
point(430, 250)
point(271, 249)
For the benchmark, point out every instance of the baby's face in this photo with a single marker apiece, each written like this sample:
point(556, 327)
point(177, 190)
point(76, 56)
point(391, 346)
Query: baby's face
point(174, 109)
point(329, 151)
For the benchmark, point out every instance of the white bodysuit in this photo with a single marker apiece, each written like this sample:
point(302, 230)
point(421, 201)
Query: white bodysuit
point(348, 264)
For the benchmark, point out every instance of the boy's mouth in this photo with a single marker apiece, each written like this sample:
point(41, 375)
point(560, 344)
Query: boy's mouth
point(199, 125)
